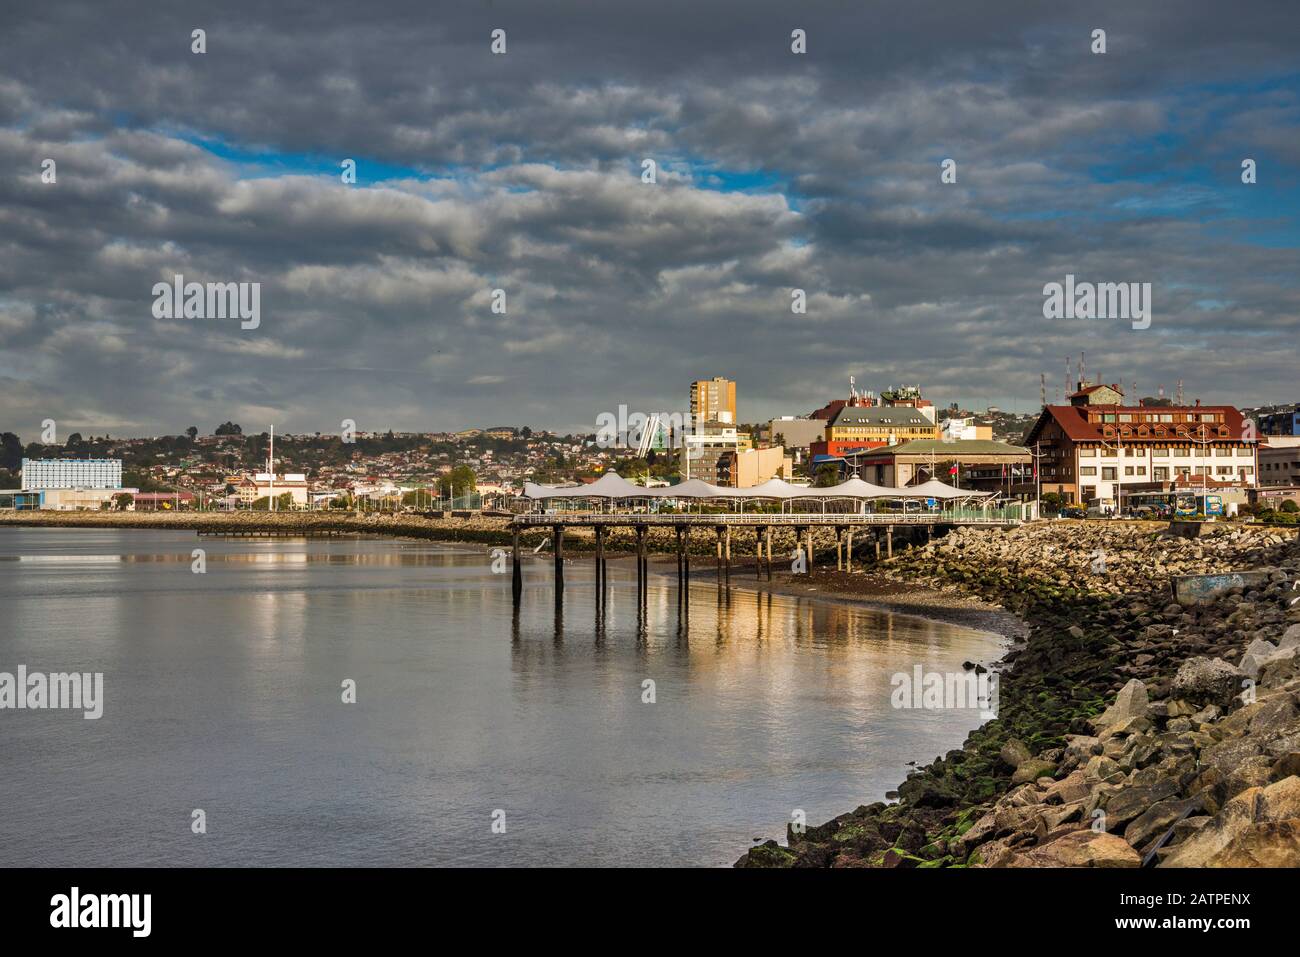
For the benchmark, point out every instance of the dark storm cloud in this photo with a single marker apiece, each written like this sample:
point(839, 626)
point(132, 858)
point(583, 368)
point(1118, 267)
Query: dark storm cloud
point(522, 172)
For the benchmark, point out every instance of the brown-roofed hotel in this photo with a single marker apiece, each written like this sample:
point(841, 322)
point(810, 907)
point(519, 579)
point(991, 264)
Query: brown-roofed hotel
point(1092, 447)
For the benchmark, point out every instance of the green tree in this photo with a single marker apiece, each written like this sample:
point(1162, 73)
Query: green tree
point(461, 479)
point(228, 428)
point(828, 474)
point(11, 451)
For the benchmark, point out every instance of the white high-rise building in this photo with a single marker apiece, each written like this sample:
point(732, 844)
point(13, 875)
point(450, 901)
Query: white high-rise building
point(72, 473)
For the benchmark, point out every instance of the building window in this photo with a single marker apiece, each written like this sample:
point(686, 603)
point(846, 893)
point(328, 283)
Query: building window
point(1108, 474)
point(1161, 474)
point(1088, 470)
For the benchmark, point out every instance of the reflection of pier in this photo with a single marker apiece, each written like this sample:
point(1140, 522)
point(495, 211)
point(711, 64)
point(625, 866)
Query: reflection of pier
point(843, 510)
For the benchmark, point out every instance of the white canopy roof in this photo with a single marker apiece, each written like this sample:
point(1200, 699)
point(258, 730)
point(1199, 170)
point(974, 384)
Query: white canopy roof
point(853, 488)
point(693, 488)
point(609, 485)
point(612, 485)
point(936, 489)
point(773, 488)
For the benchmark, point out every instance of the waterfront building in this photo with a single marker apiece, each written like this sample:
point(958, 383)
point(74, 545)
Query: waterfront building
point(72, 473)
point(981, 464)
point(265, 485)
point(1096, 449)
point(857, 428)
point(1279, 460)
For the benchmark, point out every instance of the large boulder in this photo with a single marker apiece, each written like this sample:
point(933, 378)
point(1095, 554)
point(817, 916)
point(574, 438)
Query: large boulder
point(1264, 844)
point(1131, 702)
point(1209, 847)
point(1157, 819)
point(1081, 848)
point(1207, 681)
point(1290, 637)
point(927, 791)
point(1132, 801)
point(1014, 752)
point(1032, 770)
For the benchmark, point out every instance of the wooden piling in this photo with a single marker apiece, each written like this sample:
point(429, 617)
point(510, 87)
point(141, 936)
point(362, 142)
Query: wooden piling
point(517, 582)
point(558, 538)
point(600, 559)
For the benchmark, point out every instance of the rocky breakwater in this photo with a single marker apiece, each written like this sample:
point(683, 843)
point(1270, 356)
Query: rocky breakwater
point(1132, 728)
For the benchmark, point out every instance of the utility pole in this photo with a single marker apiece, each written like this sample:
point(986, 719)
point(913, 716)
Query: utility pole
point(270, 468)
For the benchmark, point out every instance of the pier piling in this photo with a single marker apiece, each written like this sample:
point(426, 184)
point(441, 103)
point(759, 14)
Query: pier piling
point(558, 538)
point(517, 582)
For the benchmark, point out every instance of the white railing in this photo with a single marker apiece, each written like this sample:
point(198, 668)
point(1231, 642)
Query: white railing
point(963, 517)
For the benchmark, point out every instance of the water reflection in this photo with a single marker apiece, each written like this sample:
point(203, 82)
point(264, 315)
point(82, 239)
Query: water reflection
point(226, 685)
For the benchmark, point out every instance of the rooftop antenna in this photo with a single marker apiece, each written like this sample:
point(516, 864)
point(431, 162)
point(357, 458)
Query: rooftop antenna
point(1180, 392)
point(1068, 390)
point(1042, 389)
point(1083, 378)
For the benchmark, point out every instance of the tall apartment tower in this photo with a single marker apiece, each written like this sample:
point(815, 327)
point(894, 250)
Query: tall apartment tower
point(713, 400)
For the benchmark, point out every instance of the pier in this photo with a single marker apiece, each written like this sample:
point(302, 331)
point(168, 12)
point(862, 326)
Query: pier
point(876, 530)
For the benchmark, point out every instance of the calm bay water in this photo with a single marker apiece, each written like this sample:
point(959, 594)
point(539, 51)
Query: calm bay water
point(222, 692)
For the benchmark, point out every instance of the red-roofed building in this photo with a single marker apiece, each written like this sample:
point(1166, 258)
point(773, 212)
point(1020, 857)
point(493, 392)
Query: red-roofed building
point(1096, 445)
point(162, 501)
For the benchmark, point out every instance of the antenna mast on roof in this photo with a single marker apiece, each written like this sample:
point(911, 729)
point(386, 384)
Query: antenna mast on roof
point(1083, 378)
point(1042, 388)
point(1180, 392)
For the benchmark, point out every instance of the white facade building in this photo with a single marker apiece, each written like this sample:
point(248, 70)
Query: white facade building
point(72, 473)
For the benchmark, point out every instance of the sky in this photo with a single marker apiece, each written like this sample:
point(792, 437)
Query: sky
point(523, 171)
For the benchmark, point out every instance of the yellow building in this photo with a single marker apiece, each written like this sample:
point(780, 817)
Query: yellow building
point(713, 400)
